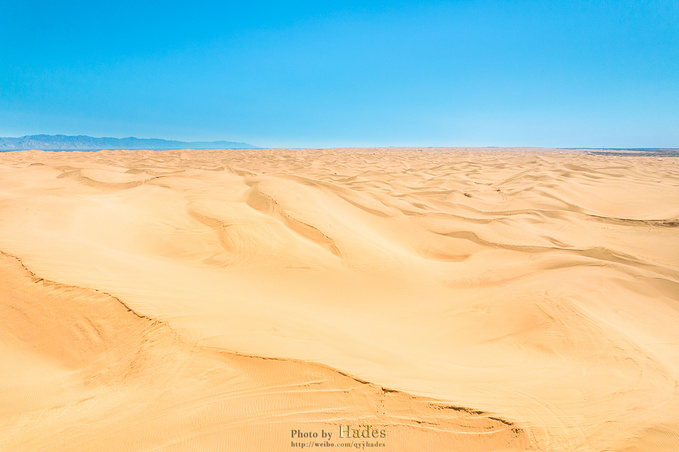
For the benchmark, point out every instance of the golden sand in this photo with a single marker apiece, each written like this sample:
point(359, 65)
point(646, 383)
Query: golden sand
point(457, 299)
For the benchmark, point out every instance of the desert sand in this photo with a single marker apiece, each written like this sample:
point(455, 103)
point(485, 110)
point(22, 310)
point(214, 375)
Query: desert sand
point(456, 299)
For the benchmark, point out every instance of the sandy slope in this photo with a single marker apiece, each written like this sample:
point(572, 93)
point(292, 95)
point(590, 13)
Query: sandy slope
point(538, 289)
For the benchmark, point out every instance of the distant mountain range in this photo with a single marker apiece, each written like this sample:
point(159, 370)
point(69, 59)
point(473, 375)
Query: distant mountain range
point(87, 143)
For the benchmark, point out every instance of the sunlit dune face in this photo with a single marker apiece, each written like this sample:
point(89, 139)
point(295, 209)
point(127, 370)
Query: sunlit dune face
point(533, 291)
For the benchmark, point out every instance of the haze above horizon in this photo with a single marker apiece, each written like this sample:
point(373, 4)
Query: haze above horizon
point(331, 74)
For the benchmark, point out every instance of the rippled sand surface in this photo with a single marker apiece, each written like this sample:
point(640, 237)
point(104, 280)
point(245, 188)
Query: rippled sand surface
point(458, 299)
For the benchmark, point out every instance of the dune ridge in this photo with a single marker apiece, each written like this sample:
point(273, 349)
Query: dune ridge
point(114, 352)
point(538, 285)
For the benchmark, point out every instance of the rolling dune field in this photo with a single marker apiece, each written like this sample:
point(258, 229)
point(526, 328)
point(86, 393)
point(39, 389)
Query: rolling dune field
point(438, 299)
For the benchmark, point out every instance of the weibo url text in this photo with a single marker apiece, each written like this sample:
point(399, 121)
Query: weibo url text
point(346, 436)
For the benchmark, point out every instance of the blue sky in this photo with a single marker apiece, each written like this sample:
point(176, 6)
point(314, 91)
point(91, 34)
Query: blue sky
point(350, 73)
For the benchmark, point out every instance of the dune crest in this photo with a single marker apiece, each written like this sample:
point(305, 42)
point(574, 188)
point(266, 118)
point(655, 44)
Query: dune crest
point(129, 382)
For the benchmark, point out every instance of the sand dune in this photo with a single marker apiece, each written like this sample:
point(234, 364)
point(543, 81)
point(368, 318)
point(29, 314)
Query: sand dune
point(459, 299)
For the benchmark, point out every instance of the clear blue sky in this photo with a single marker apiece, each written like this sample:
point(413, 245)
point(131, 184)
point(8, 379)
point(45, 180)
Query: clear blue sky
point(345, 73)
